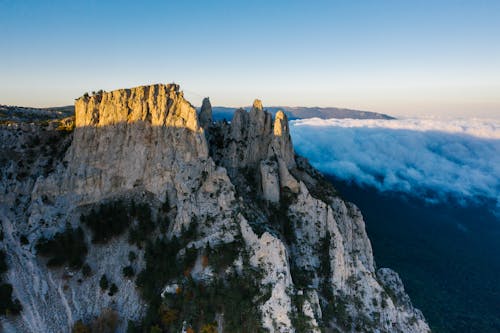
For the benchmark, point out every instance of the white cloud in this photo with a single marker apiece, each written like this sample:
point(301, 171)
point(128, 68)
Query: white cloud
point(432, 158)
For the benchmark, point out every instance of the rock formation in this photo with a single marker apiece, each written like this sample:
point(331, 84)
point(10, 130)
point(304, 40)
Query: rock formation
point(246, 216)
point(206, 113)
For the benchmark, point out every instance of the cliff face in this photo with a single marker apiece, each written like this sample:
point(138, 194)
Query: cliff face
point(241, 206)
point(128, 138)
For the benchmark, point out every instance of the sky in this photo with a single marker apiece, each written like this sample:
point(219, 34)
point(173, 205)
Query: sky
point(404, 58)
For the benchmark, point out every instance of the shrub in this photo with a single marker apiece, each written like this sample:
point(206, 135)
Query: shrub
point(128, 271)
point(209, 328)
point(86, 270)
point(113, 289)
point(80, 327)
point(67, 247)
point(132, 256)
point(103, 282)
point(24, 240)
point(156, 329)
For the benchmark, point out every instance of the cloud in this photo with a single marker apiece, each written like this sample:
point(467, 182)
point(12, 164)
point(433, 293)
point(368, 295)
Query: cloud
point(430, 158)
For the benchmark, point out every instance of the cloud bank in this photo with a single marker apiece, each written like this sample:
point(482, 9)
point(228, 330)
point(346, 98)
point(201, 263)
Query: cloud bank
point(430, 158)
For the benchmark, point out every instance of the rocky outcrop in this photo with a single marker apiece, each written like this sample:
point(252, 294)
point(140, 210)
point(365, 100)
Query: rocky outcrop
point(234, 188)
point(206, 113)
point(132, 138)
point(253, 137)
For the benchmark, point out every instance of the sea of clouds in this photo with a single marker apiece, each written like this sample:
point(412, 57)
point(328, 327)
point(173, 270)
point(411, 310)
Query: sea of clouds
point(434, 159)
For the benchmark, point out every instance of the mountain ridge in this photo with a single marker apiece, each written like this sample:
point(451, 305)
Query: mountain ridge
point(304, 112)
point(213, 211)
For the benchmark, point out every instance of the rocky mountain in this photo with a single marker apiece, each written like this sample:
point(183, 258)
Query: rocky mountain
point(302, 112)
point(140, 215)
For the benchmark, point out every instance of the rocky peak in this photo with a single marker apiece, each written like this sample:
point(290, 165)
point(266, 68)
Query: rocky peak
point(130, 138)
point(157, 105)
point(282, 145)
point(254, 136)
point(257, 105)
point(206, 113)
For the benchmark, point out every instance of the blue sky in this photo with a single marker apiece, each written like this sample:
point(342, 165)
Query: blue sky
point(398, 57)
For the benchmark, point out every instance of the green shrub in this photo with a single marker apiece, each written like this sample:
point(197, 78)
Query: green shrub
point(103, 282)
point(128, 271)
point(24, 240)
point(113, 289)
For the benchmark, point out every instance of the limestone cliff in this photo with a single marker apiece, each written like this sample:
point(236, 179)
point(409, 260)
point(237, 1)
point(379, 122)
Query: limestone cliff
point(229, 215)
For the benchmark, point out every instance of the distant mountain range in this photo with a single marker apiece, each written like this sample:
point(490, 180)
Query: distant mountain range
point(27, 114)
point(302, 112)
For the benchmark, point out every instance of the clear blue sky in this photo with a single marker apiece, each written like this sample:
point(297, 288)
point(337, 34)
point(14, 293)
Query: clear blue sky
point(398, 56)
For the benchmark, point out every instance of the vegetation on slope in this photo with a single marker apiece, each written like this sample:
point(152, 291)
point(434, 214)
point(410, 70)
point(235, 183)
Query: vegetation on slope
point(7, 304)
point(67, 247)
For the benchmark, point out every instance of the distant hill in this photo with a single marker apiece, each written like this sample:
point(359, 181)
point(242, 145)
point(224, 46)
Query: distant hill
point(9, 113)
point(301, 112)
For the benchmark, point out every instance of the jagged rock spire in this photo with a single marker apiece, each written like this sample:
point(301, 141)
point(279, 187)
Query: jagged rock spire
point(205, 116)
point(282, 143)
point(257, 105)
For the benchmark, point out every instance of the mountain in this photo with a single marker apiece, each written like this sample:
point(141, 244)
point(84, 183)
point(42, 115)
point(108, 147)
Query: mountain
point(141, 215)
point(301, 112)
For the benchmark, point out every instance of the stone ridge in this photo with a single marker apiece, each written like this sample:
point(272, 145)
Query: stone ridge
point(159, 105)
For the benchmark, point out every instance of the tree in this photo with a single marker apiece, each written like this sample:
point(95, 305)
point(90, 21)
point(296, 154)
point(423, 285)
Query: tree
point(128, 271)
point(113, 289)
point(103, 282)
